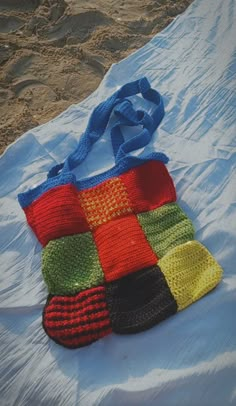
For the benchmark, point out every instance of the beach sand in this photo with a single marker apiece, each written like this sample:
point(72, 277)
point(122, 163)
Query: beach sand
point(54, 53)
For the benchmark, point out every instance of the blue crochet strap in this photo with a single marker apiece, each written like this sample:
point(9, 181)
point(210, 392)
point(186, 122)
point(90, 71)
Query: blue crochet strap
point(126, 116)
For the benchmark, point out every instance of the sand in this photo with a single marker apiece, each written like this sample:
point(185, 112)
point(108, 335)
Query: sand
point(54, 53)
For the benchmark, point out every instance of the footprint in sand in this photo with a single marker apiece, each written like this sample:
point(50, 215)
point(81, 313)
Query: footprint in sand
point(10, 23)
point(5, 53)
point(22, 5)
point(79, 26)
point(34, 92)
point(5, 95)
point(20, 63)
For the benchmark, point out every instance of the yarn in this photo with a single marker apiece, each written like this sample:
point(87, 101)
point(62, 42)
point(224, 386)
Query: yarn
point(190, 271)
point(105, 202)
point(56, 213)
point(149, 186)
point(65, 210)
point(70, 264)
point(139, 301)
point(78, 320)
point(124, 165)
point(166, 227)
point(123, 248)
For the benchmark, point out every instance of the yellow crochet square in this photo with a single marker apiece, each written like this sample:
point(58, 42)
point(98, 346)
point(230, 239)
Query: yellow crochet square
point(105, 202)
point(190, 271)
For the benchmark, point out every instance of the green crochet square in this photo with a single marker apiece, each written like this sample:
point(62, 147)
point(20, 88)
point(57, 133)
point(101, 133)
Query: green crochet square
point(166, 227)
point(71, 264)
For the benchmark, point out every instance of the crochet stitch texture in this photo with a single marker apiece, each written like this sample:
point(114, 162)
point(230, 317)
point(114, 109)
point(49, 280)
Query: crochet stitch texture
point(119, 253)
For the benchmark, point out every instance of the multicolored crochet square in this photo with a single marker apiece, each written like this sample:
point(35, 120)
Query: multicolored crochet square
point(118, 256)
point(105, 202)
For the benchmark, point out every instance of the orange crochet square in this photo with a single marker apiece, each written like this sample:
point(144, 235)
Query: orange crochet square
point(105, 202)
point(123, 248)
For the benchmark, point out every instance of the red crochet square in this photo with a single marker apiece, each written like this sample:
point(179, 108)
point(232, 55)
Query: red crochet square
point(149, 186)
point(123, 248)
point(56, 213)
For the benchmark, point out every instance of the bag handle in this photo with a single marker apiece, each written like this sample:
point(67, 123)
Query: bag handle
point(126, 116)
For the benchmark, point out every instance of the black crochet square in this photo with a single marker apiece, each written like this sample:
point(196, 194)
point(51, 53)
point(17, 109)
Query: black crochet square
point(139, 301)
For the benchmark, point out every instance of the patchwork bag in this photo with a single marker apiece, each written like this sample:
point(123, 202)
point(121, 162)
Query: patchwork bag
point(119, 253)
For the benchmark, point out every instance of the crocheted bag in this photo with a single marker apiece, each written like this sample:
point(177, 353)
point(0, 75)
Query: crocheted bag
point(118, 252)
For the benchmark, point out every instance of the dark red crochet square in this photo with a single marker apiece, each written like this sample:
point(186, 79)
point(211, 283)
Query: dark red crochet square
point(122, 247)
point(56, 213)
point(149, 186)
point(139, 301)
